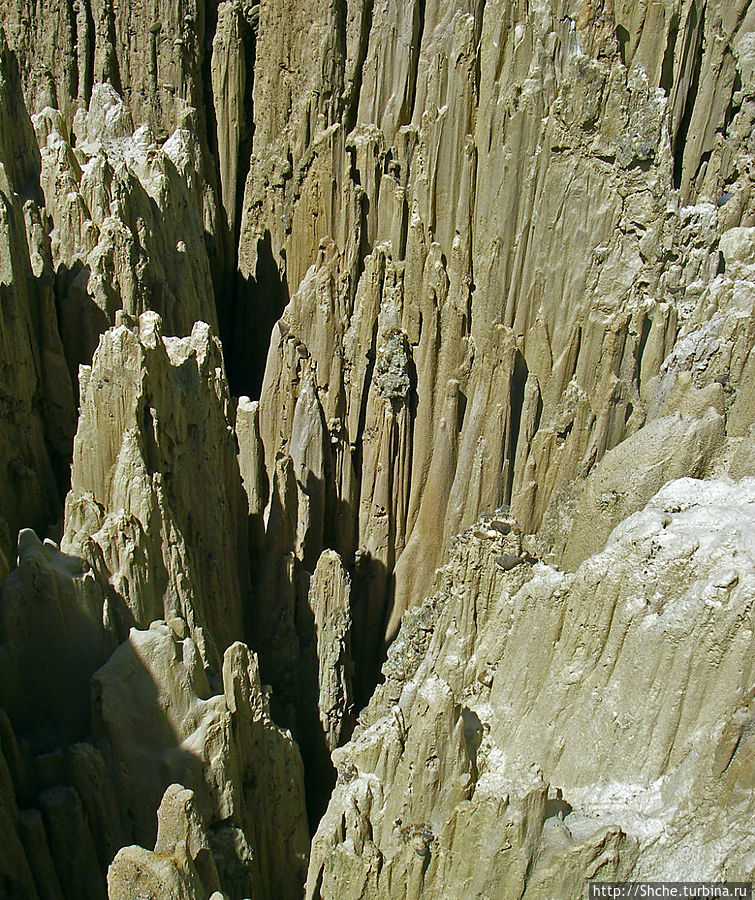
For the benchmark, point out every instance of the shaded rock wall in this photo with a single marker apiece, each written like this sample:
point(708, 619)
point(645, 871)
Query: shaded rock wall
point(37, 399)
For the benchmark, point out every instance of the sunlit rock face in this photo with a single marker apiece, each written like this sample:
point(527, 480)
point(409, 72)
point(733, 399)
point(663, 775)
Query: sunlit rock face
point(376, 499)
point(537, 729)
point(504, 232)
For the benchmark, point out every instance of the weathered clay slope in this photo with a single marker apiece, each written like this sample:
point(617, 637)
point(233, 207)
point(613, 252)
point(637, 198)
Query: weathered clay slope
point(496, 222)
point(537, 729)
point(332, 281)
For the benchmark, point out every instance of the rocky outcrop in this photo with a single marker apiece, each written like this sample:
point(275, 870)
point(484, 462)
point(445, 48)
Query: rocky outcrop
point(61, 823)
point(15, 873)
point(57, 629)
point(325, 708)
point(181, 865)
point(156, 504)
point(587, 726)
point(128, 230)
point(698, 415)
point(156, 59)
point(232, 77)
point(152, 55)
point(458, 285)
point(329, 596)
point(156, 525)
point(164, 722)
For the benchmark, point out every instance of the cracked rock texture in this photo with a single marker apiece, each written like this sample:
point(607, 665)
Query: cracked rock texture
point(164, 524)
point(527, 738)
point(412, 335)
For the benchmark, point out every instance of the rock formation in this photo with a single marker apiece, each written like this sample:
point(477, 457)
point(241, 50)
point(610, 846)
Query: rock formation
point(37, 395)
point(409, 490)
point(164, 524)
point(181, 864)
point(527, 739)
point(164, 721)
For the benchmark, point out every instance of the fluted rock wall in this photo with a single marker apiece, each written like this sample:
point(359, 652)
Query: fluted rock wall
point(156, 527)
point(332, 282)
point(37, 398)
point(109, 253)
point(515, 214)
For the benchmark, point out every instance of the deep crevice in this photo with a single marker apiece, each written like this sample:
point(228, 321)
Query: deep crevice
point(418, 28)
point(112, 71)
point(733, 108)
point(74, 24)
point(461, 410)
point(210, 121)
point(246, 136)
point(352, 111)
point(516, 406)
point(667, 68)
point(695, 32)
point(644, 334)
point(91, 48)
point(479, 19)
point(256, 304)
point(622, 39)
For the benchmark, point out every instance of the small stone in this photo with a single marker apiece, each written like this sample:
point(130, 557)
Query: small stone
point(485, 677)
point(179, 627)
point(508, 561)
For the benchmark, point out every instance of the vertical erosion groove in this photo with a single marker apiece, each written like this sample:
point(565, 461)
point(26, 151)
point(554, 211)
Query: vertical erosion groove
point(691, 66)
point(516, 405)
point(256, 305)
point(355, 88)
point(91, 50)
point(418, 28)
point(667, 67)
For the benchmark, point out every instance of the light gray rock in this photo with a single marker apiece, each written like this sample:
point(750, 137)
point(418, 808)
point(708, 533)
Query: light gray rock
point(585, 723)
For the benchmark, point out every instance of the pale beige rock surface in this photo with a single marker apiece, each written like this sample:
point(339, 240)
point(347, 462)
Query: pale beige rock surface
point(163, 524)
point(590, 725)
point(329, 596)
point(127, 224)
point(152, 55)
point(478, 281)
